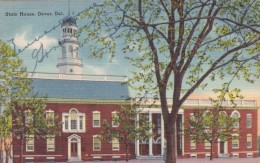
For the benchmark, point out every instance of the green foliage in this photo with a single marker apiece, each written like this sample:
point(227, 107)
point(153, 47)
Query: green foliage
point(129, 129)
point(210, 125)
point(17, 103)
point(177, 46)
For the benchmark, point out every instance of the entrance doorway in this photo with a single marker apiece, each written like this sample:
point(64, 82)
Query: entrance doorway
point(74, 149)
point(222, 147)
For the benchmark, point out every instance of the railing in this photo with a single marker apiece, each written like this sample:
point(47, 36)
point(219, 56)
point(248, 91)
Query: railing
point(78, 77)
point(207, 102)
point(201, 102)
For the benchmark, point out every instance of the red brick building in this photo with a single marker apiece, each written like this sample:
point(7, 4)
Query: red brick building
point(245, 146)
point(82, 103)
point(81, 106)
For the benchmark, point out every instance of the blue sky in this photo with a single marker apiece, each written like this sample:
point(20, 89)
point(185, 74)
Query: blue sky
point(24, 29)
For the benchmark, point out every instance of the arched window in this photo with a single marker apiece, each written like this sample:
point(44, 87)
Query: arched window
point(73, 121)
point(235, 114)
point(71, 50)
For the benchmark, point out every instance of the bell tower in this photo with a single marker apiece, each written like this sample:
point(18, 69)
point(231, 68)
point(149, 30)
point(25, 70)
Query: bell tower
point(69, 61)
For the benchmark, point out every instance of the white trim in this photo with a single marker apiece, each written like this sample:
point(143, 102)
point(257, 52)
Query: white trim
point(96, 136)
point(236, 155)
point(96, 112)
point(78, 130)
point(193, 155)
point(112, 115)
point(74, 136)
point(225, 146)
point(249, 155)
point(250, 141)
point(28, 145)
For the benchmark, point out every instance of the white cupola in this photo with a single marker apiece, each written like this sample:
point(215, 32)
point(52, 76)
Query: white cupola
point(69, 62)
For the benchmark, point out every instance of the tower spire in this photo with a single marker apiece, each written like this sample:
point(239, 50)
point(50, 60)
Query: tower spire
point(69, 8)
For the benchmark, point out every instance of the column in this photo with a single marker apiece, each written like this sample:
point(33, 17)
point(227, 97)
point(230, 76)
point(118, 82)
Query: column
point(162, 135)
point(137, 146)
point(150, 139)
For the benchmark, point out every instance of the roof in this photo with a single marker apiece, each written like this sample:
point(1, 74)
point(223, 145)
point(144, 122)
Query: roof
point(80, 89)
point(70, 20)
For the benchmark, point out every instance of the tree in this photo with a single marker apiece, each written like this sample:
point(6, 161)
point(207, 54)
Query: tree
point(10, 89)
point(210, 125)
point(22, 112)
point(177, 46)
point(126, 127)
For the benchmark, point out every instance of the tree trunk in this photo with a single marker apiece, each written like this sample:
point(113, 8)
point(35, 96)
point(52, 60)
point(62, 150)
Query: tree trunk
point(6, 151)
point(211, 150)
point(1, 151)
point(170, 129)
point(126, 152)
point(21, 149)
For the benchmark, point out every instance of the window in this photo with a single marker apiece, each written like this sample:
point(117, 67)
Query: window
point(115, 144)
point(207, 144)
point(50, 143)
point(28, 118)
point(192, 144)
point(159, 124)
point(81, 122)
point(192, 118)
point(29, 143)
point(249, 141)
point(235, 143)
point(29, 159)
point(73, 121)
point(96, 143)
point(50, 117)
point(96, 119)
point(115, 119)
point(71, 50)
point(66, 123)
point(235, 115)
point(248, 120)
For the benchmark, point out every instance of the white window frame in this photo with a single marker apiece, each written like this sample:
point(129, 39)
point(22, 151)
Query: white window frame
point(115, 144)
point(96, 137)
point(232, 114)
point(98, 119)
point(248, 120)
point(249, 141)
point(48, 145)
point(207, 144)
point(28, 117)
point(114, 114)
point(52, 116)
point(192, 144)
point(67, 119)
point(233, 141)
point(28, 139)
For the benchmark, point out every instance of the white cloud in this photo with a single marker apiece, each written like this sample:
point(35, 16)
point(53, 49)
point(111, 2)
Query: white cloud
point(22, 41)
point(94, 70)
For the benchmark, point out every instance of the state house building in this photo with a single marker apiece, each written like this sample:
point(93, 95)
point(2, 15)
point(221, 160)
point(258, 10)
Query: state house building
point(83, 102)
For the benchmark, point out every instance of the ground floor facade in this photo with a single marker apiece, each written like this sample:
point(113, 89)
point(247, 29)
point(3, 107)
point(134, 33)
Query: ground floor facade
point(244, 147)
point(78, 138)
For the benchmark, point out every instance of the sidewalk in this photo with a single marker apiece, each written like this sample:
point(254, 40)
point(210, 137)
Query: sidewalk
point(198, 160)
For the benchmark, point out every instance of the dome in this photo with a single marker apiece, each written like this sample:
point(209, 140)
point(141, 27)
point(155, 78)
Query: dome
point(70, 20)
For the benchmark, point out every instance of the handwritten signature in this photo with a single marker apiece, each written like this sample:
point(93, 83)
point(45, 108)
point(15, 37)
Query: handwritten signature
point(39, 54)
